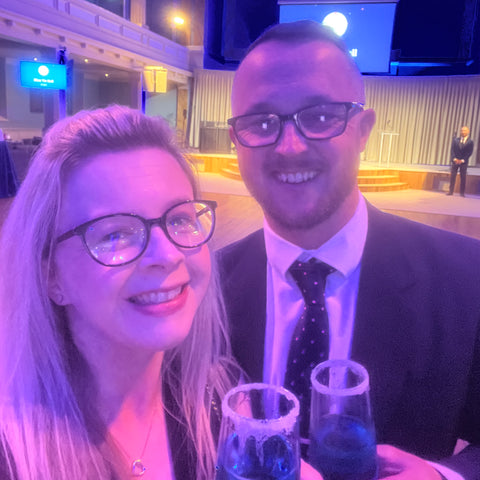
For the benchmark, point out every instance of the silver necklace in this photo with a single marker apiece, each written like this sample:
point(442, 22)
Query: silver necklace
point(138, 467)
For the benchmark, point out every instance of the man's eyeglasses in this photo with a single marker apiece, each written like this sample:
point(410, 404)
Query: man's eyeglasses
point(317, 122)
point(121, 238)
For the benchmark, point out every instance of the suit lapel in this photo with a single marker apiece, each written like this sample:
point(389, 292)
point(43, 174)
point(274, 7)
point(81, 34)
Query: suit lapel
point(382, 339)
point(247, 305)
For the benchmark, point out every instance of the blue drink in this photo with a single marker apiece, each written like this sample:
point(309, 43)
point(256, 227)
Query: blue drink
point(273, 459)
point(343, 448)
point(224, 474)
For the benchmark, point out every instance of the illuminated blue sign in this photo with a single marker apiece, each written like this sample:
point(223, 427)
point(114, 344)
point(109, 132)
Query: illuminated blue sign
point(43, 75)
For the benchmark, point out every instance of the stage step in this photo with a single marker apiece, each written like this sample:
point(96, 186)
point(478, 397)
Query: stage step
point(382, 187)
point(231, 173)
point(384, 179)
point(374, 171)
point(379, 180)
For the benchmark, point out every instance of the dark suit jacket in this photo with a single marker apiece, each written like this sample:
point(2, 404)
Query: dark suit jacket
point(462, 151)
point(416, 331)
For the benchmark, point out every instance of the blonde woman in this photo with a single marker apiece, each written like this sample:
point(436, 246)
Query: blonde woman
point(112, 348)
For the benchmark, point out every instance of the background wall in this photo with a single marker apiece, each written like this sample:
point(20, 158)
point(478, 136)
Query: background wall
point(164, 104)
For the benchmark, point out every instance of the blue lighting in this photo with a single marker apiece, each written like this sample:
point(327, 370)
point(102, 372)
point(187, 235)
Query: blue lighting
point(43, 75)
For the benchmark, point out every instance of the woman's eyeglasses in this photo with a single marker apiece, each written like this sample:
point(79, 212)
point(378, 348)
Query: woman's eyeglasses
point(121, 238)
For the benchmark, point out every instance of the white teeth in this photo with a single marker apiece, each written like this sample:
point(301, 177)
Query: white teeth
point(153, 298)
point(298, 177)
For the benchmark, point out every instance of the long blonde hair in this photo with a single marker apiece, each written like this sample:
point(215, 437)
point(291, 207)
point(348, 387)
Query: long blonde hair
point(45, 429)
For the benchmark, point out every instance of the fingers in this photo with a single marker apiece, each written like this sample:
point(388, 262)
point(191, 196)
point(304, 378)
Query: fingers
point(395, 464)
point(307, 472)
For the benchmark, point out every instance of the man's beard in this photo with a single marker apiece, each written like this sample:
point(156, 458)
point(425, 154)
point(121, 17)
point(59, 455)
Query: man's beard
point(317, 215)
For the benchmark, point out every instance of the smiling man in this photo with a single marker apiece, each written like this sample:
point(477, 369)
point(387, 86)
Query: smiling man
point(400, 298)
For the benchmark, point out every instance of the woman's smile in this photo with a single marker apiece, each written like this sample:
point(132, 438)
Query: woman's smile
point(156, 297)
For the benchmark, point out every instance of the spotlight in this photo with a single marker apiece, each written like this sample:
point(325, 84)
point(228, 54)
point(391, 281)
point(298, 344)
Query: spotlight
point(178, 20)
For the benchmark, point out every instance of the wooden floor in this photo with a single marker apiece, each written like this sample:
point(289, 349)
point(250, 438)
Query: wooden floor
point(237, 216)
point(469, 226)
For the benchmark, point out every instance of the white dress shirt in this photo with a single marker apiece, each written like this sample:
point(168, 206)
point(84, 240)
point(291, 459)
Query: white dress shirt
point(284, 299)
point(285, 302)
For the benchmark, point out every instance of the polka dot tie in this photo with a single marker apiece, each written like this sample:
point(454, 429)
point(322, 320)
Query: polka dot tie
point(309, 345)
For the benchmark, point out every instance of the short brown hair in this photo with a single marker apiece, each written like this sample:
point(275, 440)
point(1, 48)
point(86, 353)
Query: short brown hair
point(301, 31)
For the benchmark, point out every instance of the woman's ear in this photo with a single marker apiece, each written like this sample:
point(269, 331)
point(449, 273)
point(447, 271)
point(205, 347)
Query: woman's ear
point(54, 289)
point(55, 294)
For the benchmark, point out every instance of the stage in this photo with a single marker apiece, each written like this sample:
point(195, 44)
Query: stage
point(434, 178)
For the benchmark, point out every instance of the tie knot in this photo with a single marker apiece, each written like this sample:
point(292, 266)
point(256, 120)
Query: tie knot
point(310, 278)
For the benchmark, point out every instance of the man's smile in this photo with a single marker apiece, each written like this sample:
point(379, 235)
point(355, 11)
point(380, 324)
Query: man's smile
point(296, 177)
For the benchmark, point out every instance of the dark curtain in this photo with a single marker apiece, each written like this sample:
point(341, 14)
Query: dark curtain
point(8, 176)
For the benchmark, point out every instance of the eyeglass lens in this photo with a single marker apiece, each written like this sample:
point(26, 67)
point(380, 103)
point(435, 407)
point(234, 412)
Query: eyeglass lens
point(122, 238)
point(316, 122)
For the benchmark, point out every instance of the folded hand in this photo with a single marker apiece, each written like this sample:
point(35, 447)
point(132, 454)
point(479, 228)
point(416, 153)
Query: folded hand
point(395, 464)
point(307, 472)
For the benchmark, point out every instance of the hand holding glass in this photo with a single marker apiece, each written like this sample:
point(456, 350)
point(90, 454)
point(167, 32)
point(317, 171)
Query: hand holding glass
point(259, 434)
point(342, 434)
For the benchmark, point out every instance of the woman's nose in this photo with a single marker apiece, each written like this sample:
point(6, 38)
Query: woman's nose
point(161, 251)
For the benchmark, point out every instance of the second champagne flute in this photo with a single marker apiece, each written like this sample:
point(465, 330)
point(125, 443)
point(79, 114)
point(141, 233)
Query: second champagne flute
point(342, 434)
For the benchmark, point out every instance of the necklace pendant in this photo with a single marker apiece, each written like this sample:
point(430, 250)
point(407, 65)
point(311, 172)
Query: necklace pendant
point(138, 468)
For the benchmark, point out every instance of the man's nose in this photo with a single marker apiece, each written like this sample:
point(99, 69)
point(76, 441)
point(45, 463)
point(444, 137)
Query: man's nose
point(291, 141)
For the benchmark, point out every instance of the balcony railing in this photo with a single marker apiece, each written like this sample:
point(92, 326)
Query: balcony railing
point(89, 30)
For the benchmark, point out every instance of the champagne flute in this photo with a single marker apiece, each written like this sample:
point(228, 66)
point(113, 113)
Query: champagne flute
point(342, 434)
point(259, 436)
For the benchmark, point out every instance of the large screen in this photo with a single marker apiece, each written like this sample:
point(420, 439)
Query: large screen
point(366, 28)
point(43, 75)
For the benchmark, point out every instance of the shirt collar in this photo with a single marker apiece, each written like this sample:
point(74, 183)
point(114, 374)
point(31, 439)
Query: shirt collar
point(343, 251)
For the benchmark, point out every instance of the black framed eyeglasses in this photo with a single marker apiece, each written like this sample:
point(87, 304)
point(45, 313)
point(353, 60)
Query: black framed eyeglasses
point(121, 238)
point(316, 122)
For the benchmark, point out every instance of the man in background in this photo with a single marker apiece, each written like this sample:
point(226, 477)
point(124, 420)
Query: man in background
point(462, 148)
point(403, 299)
